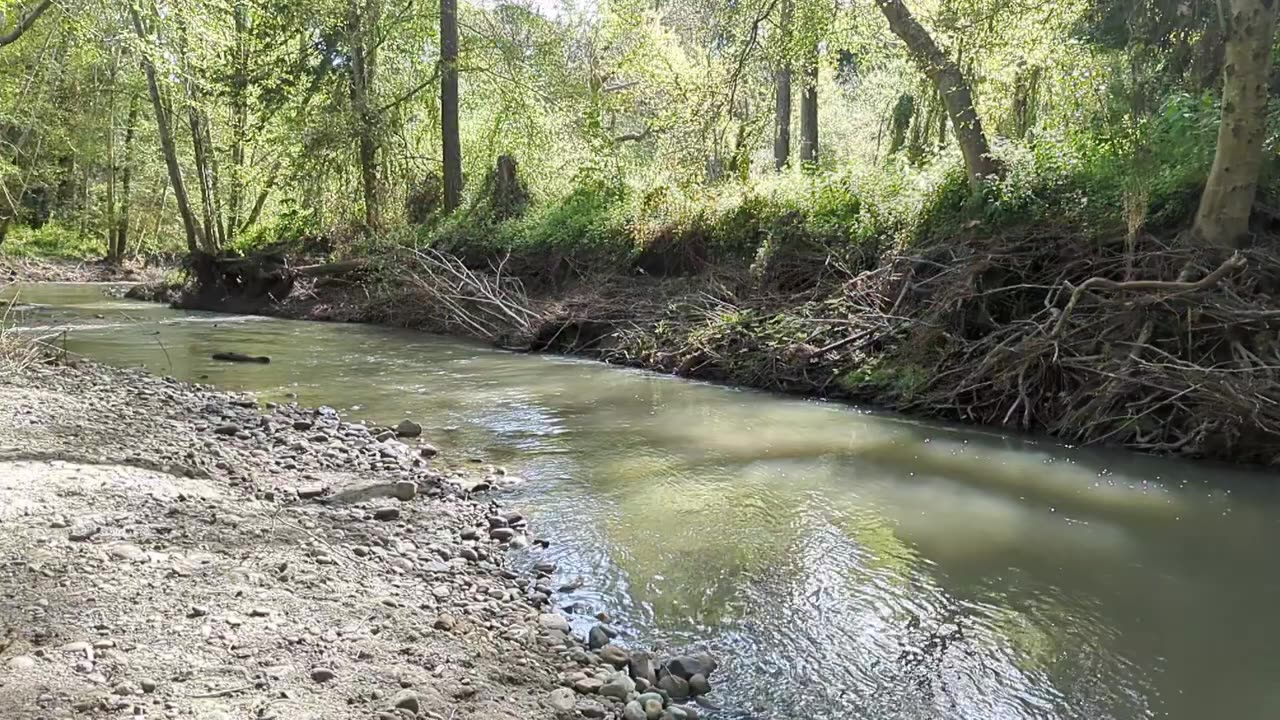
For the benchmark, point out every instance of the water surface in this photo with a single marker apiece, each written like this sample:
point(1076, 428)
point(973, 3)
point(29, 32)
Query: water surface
point(846, 563)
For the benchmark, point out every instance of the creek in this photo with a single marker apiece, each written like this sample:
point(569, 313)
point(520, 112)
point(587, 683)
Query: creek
point(843, 562)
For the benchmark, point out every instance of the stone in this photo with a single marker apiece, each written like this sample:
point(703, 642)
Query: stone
point(614, 655)
point(124, 690)
point(83, 531)
point(675, 713)
point(653, 708)
point(148, 686)
point(634, 711)
point(641, 664)
point(408, 429)
point(405, 490)
point(303, 425)
point(21, 662)
point(588, 685)
point(228, 429)
point(597, 638)
point(562, 700)
point(686, 666)
point(445, 622)
point(502, 534)
point(618, 686)
point(676, 687)
point(323, 674)
point(427, 450)
point(386, 514)
point(309, 492)
point(406, 700)
point(699, 685)
point(591, 709)
point(552, 621)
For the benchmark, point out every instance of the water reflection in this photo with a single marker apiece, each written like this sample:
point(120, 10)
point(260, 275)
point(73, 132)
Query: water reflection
point(847, 564)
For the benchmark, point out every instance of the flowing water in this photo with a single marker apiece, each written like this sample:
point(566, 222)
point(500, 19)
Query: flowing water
point(845, 563)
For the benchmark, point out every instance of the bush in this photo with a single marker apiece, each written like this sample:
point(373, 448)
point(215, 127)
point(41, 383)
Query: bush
point(53, 241)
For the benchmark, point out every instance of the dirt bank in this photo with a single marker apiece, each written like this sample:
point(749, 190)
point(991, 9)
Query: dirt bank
point(171, 551)
point(1164, 349)
point(18, 269)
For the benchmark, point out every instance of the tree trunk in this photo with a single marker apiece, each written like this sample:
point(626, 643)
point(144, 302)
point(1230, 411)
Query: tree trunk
point(363, 24)
point(951, 83)
point(452, 144)
point(809, 109)
point(112, 165)
point(782, 93)
point(126, 180)
point(782, 117)
point(1223, 217)
point(25, 22)
point(196, 241)
point(239, 119)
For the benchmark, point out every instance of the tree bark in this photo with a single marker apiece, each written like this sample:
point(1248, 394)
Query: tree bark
point(363, 24)
point(239, 119)
point(196, 241)
point(126, 182)
point(451, 143)
point(25, 23)
point(1222, 219)
point(112, 165)
point(782, 92)
point(782, 117)
point(809, 109)
point(957, 96)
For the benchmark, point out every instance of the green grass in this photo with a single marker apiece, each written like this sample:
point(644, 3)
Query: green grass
point(52, 242)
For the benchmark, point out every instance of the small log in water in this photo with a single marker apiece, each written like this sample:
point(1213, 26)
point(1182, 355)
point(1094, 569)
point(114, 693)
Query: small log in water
point(240, 357)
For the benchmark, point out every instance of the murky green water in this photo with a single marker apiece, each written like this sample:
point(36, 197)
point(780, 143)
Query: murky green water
point(847, 564)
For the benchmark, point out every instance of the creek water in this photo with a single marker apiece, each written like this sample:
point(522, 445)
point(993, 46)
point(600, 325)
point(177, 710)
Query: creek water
point(845, 563)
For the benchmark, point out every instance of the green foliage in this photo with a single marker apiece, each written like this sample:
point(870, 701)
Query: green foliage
point(54, 241)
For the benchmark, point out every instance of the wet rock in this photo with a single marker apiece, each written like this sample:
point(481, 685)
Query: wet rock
point(502, 534)
point(562, 700)
point(641, 665)
point(386, 514)
point(686, 666)
point(323, 674)
point(676, 687)
point(618, 686)
point(428, 450)
point(597, 638)
point(634, 711)
point(408, 429)
point(699, 685)
point(406, 700)
point(614, 655)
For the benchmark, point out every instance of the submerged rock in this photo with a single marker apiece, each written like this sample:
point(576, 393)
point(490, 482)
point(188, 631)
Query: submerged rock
point(408, 429)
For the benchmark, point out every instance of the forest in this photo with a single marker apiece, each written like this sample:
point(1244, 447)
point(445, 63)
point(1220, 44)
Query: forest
point(1050, 216)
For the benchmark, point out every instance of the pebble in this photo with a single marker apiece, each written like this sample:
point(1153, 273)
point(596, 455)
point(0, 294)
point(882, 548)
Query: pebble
point(619, 686)
point(148, 686)
point(562, 700)
point(406, 700)
point(405, 490)
point(322, 674)
point(21, 662)
point(634, 711)
point(228, 429)
point(386, 514)
point(83, 531)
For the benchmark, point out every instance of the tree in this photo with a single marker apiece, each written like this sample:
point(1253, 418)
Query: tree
point(197, 241)
point(362, 24)
point(951, 83)
point(24, 23)
point(1222, 219)
point(782, 92)
point(452, 144)
point(809, 108)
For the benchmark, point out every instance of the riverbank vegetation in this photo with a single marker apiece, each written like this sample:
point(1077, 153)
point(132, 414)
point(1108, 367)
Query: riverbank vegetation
point(1056, 218)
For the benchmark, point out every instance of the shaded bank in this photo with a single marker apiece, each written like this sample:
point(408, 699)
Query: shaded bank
point(1169, 350)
